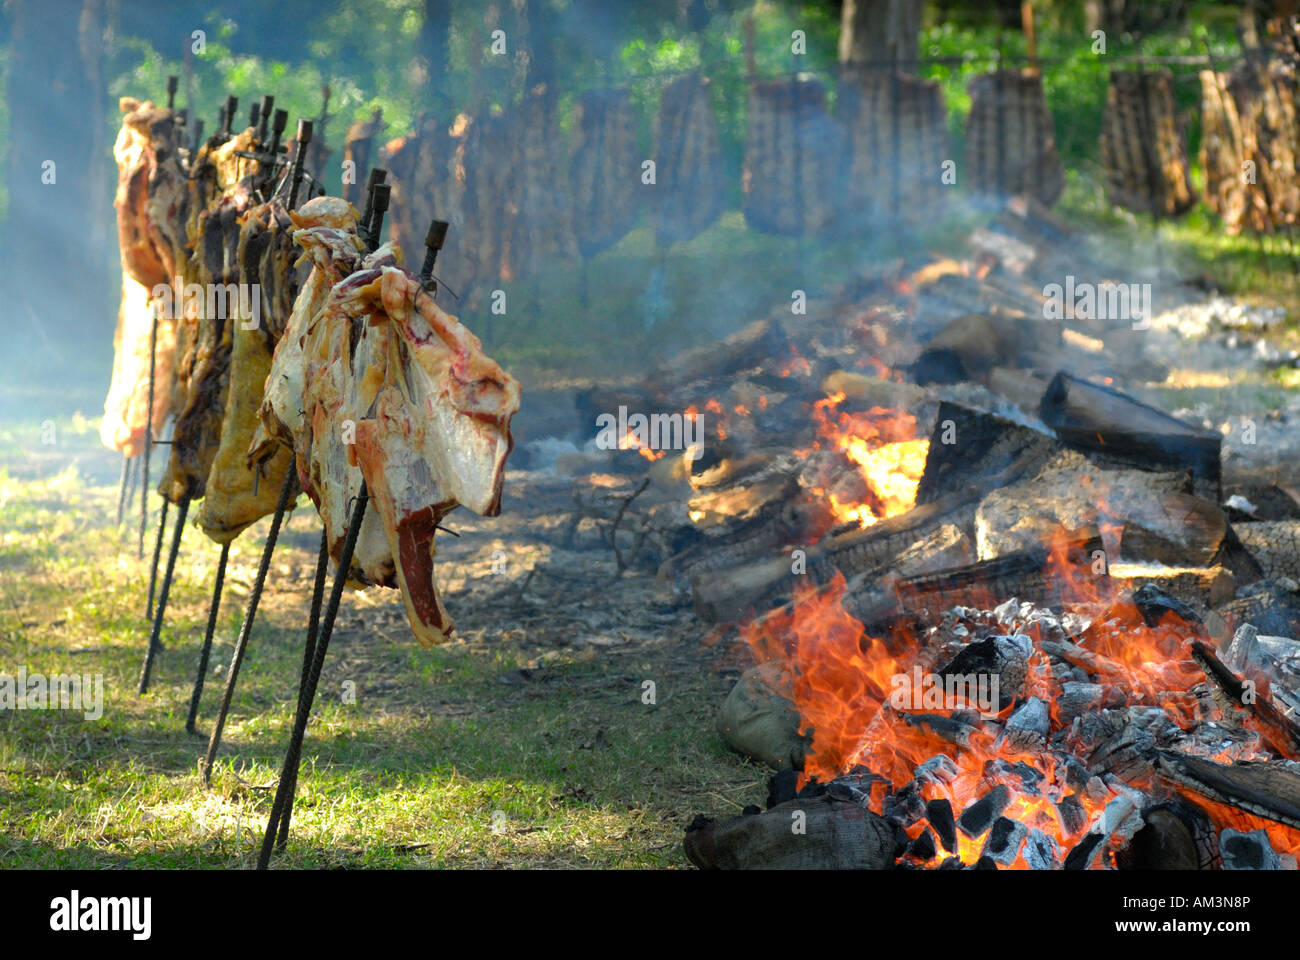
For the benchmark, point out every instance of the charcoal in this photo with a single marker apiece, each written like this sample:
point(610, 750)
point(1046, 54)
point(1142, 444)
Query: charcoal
point(979, 816)
point(1164, 843)
point(1027, 728)
point(906, 806)
point(939, 813)
point(1247, 851)
point(923, 847)
point(1041, 851)
point(1081, 856)
point(1078, 699)
point(1004, 840)
point(1243, 649)
point(750, 810)
point(985, 863)
point(951, 863)
point(783, 786)
point(1153, 603)
point(938, 769)
point(952, 729)
point(1030, 778)
point(1073, 815)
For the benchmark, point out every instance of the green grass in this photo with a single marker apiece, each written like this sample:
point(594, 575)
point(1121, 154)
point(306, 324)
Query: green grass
point(450, 757)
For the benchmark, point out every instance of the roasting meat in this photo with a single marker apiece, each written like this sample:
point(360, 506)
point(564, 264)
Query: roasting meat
point(123, 425)
point(605, 169)
point(1142, 149)
point(1011, 138)
point(150, 198)
point(238, 494)
point(206, 332)
point(149, 167)
point(691, 182)
point(326, 230)
point(430, 417)
point(897, 141)
point(790, 153)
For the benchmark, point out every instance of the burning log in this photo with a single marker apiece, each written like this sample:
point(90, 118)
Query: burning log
point(1267, 790)
point(1106, 423)
point(1141, 147)
point(971, 346)
point(1011, 138)
point(820, 833)
point(1280, 733)
point(1276, 547)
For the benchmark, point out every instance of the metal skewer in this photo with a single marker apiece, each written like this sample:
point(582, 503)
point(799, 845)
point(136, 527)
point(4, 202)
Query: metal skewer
point(289, 772)
point(172, 83)
point(157, 552)
point(299, 159)
point(181, 509)
point(277, 827)
point(127, 466)
point(213, 608)
point(241, 645)
point(268, 102)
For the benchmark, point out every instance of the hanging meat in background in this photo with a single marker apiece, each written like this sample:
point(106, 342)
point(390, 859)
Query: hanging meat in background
point(1011, 138)
point(540, 225)
point(488, 181)
point(792, 156)
point(1248, 117)
point(361, 149)
point(691, 189)
point(237, 493)
point(203, 368)
point(1142, 151)
point(151, 197)
point(123, 425)
point(897, 131)
point(604, 169)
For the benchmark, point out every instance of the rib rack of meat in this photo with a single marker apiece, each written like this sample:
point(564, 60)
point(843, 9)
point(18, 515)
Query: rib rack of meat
point(1142, 149)
point(203, 368)
point(897, 140)
point(1011, 137)
point(790, 154)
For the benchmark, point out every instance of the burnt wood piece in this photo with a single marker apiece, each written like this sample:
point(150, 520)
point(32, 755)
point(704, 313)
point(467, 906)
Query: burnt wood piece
point(939, 814)
point(1272, 606)
point(1169, 840)
point(1104, 421)
point(1275, 546)
point(1280, 732)
point(980, 815)
point(839, 835)
point(969, 446)
point(1267, 790)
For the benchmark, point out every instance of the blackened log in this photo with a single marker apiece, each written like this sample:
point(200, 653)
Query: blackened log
point(1280, 732)
point(836, 835)
point(1267, 790)
point(1099, 419)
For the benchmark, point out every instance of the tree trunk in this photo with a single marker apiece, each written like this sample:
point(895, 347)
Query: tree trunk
point(882, 34)
point(433, 48)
